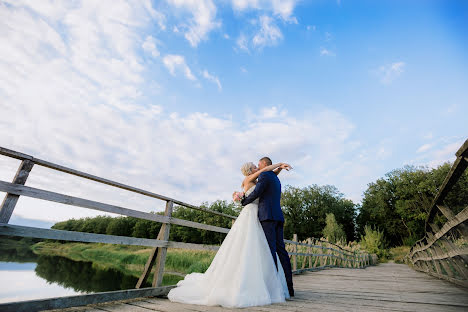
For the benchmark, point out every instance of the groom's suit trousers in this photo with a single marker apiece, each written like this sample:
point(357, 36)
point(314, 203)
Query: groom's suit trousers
point(274, 235)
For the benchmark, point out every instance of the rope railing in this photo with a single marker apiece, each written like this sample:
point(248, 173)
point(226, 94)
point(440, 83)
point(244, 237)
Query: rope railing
point(332, 257)
point(443, 251)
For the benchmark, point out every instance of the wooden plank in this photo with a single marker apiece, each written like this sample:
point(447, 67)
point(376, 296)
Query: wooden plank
point(294, 254)
point(463, 150)
point(13, 154)
point(41, 162)
point(462, 228)
point(10, 200)
point(123, 186)
point(452, 177)
point(161, 256)
point(386, 287)
point(461, 217)
point(463, 283)
point(443, 255)
point(25, 231)
point(81, 300)
point(162, 235)
point(90, 204)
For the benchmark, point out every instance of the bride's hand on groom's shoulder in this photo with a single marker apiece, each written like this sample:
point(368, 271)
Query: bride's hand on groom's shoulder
point(285, 166)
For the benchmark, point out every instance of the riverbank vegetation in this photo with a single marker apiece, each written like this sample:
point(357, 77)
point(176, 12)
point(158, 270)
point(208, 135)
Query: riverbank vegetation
point(128, 259)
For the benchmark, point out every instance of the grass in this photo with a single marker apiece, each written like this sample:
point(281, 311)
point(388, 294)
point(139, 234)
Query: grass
point(129, 259)
point(397, 254)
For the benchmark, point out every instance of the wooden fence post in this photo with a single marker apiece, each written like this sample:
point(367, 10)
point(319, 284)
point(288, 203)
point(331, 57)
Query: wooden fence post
point(317, 258)
point(158, 254)
point(161, 257)
point(10, 200)
point(295, 250)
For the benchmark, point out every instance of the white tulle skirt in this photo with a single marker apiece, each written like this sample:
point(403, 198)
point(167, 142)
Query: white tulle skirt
point(242, 274)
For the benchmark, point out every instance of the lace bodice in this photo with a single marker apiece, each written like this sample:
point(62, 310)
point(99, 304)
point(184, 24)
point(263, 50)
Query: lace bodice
point(249, 191)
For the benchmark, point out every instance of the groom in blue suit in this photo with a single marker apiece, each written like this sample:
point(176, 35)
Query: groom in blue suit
point(268, 189)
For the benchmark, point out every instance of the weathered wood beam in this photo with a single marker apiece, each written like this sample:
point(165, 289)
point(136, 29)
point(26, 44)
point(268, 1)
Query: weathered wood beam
point(452, 177)
point(294, 254)
point(461, 217)
point(26, 231)
point(10, 200)
point(82, 300)
point(463, 150)
point(47, 164)
point(85, 203)
point(444, 255)
point(161, 255)
point(13, 154)
point(123, 186)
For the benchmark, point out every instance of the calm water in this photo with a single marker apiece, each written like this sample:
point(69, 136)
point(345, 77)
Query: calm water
point(26, 276)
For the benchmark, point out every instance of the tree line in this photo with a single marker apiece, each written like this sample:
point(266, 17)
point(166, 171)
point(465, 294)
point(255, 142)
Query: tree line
point(396, 204)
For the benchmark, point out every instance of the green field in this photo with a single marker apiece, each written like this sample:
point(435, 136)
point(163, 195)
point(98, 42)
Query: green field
point(129, 259)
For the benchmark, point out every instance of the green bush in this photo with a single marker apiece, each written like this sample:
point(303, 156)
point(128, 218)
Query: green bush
point(333, 231)
point(373, 242)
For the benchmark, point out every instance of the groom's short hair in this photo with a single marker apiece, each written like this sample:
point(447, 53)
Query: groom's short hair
point(267, 160)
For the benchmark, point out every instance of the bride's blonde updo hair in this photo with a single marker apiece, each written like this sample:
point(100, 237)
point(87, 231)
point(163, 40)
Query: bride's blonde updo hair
point(246, 168)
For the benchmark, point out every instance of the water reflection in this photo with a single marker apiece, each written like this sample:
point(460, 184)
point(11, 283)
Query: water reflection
point(82, 276)
point(25, 275)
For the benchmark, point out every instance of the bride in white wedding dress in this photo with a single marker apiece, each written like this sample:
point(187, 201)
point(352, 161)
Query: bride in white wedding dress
point(243, 272)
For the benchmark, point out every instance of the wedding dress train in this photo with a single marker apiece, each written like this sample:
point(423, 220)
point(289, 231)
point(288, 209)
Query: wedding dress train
point(242, 273)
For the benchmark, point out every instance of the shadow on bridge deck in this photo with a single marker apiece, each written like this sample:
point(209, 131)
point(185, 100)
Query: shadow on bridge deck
point(385, 287)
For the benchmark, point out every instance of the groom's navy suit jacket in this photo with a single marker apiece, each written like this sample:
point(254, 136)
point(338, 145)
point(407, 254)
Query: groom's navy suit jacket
point(268, 188)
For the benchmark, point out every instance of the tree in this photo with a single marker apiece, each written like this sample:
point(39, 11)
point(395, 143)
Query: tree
point(399, 203)
point(305, 211)
point(333, 231)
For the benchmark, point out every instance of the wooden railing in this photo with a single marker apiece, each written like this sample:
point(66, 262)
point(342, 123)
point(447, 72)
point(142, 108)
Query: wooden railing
point(443, 251)
point(329, 256)
point(316, 253)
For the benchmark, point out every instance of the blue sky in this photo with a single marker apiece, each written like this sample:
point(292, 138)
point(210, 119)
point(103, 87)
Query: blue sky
point(173, 96)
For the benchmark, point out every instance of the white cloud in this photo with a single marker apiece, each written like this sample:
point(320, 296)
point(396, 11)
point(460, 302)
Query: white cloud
point(311, 27)
point(388, 73)
point(282, 8)
point(242, 43)
point(424, 148)
point(150, 46)
point(268, 35)
point(326, 52)
point(203, 19)
point(177, 63)
point(444, 153)
point(244, 70)
point(438, 151)
point(212, 78)
point(272, 112)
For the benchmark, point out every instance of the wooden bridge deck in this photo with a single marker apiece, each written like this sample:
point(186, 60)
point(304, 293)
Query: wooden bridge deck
point(385, 287)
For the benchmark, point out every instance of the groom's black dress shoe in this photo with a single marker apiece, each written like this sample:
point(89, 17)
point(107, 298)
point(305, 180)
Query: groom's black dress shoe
point(291, 292)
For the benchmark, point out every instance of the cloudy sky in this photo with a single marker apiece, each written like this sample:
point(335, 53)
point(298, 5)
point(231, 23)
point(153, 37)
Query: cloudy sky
point(173, 96)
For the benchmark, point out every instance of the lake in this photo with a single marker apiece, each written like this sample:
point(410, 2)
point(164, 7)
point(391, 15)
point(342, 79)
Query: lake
point(26, 276)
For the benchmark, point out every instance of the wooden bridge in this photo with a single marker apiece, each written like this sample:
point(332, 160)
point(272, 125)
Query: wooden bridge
point(385, 287)
point(352, 280)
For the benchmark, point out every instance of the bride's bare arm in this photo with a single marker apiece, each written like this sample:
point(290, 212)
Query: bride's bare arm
point(254, 176)
point(281, 167)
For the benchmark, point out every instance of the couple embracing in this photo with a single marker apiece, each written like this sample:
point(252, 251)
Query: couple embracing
point(252, 266)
